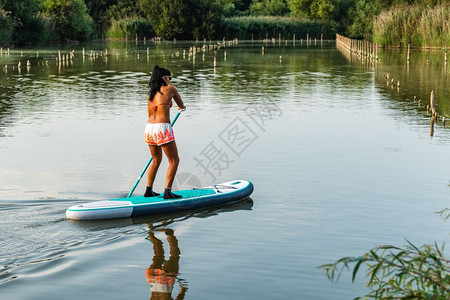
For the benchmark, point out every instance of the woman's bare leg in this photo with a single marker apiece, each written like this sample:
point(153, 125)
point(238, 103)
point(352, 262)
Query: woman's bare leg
point(153, 169)
point(171, 151)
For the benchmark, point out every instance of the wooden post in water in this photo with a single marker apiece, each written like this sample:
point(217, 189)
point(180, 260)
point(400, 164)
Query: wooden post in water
point(409, 51)
point(375, 53)
point(432, 126)
point(432, 106)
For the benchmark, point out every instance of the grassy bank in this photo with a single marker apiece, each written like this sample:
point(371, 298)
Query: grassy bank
point(418, 25)
point(245, 28)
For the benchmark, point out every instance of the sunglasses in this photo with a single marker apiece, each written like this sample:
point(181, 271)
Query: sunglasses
point(169, 77)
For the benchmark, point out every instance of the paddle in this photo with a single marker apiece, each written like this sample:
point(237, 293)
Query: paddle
point(150, 160)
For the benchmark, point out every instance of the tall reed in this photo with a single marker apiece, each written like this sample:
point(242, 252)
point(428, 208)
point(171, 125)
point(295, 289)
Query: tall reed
point(130, 27)
point(418, 25)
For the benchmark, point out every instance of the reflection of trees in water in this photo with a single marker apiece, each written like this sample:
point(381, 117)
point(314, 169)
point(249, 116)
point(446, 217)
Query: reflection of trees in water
point(426, 72)
point(6, 105)
point(301, 70)
point(19, 95)
point(245, 73)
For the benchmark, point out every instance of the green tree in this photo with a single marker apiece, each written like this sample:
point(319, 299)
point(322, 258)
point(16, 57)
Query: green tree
point(323, 9)
point(6, 27)
point(269, 8)
point(314, 9)
point(124, 9)
point(362, 16)
point(232, 8)
point(167, 18)
point(206, 18)
point(27, 26)
point(183, 19)
point(98, 10)
point(71, 18)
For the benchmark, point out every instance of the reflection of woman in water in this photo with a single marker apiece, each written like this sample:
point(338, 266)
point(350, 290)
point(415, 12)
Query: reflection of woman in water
point(162, 274)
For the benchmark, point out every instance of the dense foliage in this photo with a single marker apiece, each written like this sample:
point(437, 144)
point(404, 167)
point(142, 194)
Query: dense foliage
point(272, 27)
point(71, 19)
point(389, 22)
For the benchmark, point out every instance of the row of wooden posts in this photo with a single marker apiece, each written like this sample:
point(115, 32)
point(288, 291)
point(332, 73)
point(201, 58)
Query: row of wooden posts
point(367, 49)
point(361, 48)
point(64, 59)
point(431, 107)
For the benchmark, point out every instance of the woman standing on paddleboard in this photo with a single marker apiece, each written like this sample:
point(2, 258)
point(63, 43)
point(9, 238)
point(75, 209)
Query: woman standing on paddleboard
point(158, 131)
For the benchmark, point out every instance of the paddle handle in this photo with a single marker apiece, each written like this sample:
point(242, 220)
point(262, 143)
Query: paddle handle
point(150, 160)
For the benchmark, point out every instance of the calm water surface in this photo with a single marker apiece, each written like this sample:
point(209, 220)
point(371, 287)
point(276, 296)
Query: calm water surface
point(340, 160)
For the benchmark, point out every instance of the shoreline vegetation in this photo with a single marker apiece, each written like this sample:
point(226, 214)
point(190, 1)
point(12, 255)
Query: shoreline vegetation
point(420, 27)
point(388, 23)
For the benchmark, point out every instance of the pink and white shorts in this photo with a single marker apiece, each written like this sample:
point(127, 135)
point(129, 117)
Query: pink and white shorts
point(157, 134)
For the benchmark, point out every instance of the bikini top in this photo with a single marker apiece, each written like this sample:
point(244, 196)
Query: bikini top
point(156, 106)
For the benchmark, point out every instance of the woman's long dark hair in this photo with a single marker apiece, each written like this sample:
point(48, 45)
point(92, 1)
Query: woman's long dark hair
point(156, 81)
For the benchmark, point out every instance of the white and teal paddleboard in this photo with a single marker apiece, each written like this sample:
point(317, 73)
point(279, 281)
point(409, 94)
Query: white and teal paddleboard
point(217, 194)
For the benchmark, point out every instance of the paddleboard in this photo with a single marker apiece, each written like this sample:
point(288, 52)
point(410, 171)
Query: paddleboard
point(216, 194)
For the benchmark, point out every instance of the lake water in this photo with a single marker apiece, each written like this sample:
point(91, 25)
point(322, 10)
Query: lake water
point(340, 160)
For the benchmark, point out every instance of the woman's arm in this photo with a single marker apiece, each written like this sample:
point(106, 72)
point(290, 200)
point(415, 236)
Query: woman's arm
point(177, 98)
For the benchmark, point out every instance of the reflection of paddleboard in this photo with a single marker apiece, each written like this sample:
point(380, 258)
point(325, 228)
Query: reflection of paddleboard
point(140, 206)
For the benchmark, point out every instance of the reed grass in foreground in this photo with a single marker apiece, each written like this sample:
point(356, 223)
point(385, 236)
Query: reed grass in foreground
point(408, 272)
